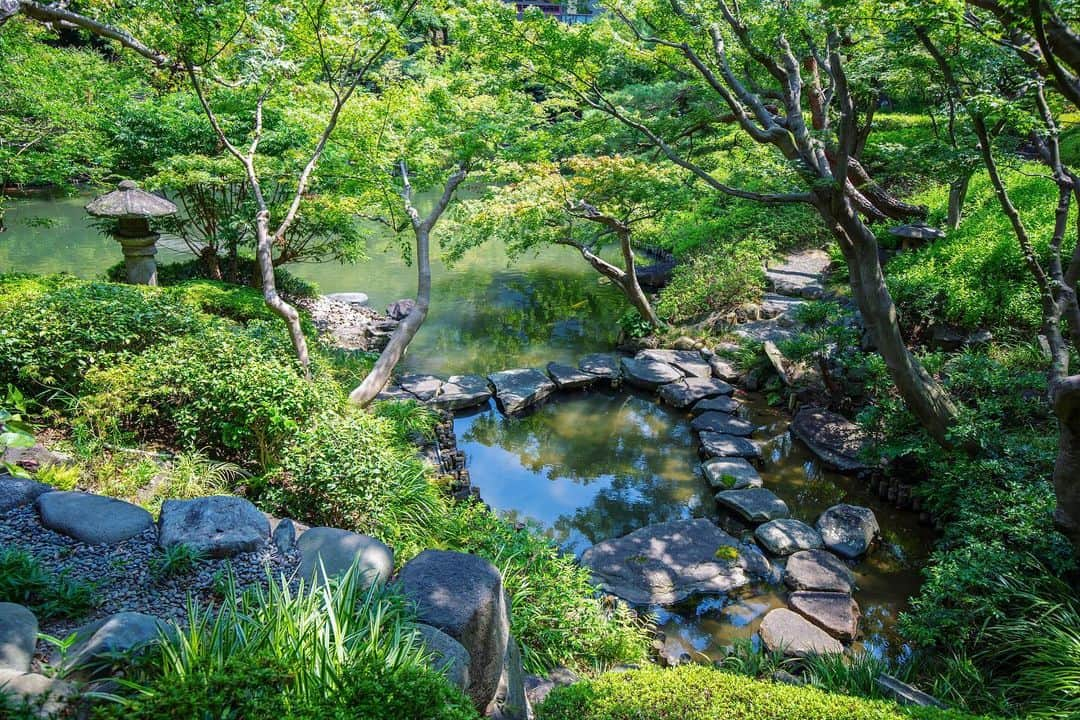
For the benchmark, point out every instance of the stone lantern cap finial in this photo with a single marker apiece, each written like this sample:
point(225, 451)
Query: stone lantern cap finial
point(128, 201)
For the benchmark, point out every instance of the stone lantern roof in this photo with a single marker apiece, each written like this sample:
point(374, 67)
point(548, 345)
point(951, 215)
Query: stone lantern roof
point(916, 231)
point(128, 201)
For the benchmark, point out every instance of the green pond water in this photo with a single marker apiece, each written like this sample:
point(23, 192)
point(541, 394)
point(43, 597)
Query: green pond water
point(586, 467)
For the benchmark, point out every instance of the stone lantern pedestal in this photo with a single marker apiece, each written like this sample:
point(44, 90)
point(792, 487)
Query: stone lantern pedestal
point(139, 259)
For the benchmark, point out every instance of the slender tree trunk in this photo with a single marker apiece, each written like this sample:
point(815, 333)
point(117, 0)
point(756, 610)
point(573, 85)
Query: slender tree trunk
point(1066, 399)
point(957, 194)
point(270, 294)
point(631, 286)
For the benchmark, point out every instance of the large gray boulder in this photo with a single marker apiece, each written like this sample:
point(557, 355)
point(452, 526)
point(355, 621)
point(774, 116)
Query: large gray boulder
point(463, 596)
point(330, 552)
point(92, 519)
point(790, 633)
point(98, 643)
point(785, 536)
point(721, 445)
point(818, 570)
point(47, 697)
point(424, 387)
point(835, 440)
point(518, 390)
point(18, 637)
point(15, 492)
point(718, 404)
point(568, 377)
point(218, 526)
point(462, 391)
point(666, 563)
point(400, 309)
point(691, 362)
point(685, 393)
point(448, 656)
point(835, 613)
point(756, 505)
point(605, 365)
point(848, 530)
point(649, 374)
point(730, 474)
point(723, 423)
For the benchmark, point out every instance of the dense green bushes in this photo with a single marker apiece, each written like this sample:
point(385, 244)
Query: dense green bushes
point(692, 692)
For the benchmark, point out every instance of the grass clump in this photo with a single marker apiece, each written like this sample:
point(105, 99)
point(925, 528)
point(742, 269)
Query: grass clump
point(24, 580)
point(694, 692)
point(175, 561)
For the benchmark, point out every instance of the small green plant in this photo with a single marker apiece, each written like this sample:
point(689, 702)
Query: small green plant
point(48, 595)
point(175, 560)
point(727, 553)
point(61, 477)
point(633, 325)
point(728, 480)
point(14, 431)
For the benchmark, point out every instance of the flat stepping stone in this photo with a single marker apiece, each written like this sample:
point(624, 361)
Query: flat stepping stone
point(16, 492)
point(666, 563)
point(92, 519)
point(350, 298)
point(424, 387)
point(730, 474)
point(691, 362)
point(793, 635)
point(785, 536)
point(774, 305)
point(649, 374)
point(765, 330)
point(330, 552)
point(685, 393)
point(518, 390)
point(47, 696)
point(723, 369)
point(756, 505)
point(832, 438)
point(723, 423)
point(801, 274)
point(818, 570)
point(848, 530)
point(720, 445)
point(835, 613)
point(605, 365)
point(218, 526)
point(568, 377)
point(462, 391)
point(716, 404)
point(393, 392)
point(98, 643)
point(18, 637)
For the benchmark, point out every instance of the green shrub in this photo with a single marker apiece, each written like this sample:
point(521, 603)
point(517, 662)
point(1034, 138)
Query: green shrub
point(715, 278)
point(246, 273)
point(25, 581)
point(234, 302)
point(54, 330)
point(343, 652)
point(694, 692)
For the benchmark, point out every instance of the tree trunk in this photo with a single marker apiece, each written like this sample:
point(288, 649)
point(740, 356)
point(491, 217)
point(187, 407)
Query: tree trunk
point(924, 396)
point(270, 294)
point(631, 286)
point(1066, 399)
point(957, 194)
point(405, 331)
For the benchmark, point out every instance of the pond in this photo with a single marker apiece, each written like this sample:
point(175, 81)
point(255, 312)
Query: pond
point(584, 467)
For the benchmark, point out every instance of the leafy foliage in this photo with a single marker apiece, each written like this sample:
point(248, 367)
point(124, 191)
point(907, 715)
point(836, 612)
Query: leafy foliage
point(25, 581)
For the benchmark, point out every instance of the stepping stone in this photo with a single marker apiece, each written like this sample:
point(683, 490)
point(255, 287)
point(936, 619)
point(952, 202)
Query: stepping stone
point(719, 445)
point(848, 530)
point(730, 474)
point(691, 362)
point(47, 696)
point(567, 377)
point(773, 305)
point(604, 365)
point(350, 298)
point(331, 552)
point(15, 492)
point(463, 596)
point(424, 387)
point(818, 570)
point(723, 423)
point(92, 519)
point(723, 369)
point(689, 391)
point(717, 404)
point(218, 526)
point(518, 390)
point(835, 613)
point(786, 536)
point(649, 374)
point(756, 505)
point(794, 636)
point(18, 637)
point(98, 643)
point(462, 391)
point(393, 392)
point(834, 439)
point(800, 274)
point(448, 656)
point(666, 563)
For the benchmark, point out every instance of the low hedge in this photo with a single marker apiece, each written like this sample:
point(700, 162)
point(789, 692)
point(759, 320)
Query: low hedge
point(696, 692)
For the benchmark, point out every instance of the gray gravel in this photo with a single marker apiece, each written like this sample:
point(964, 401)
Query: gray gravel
point(122, 575)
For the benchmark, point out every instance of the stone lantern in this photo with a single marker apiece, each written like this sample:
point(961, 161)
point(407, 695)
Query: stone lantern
point(132, 208)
